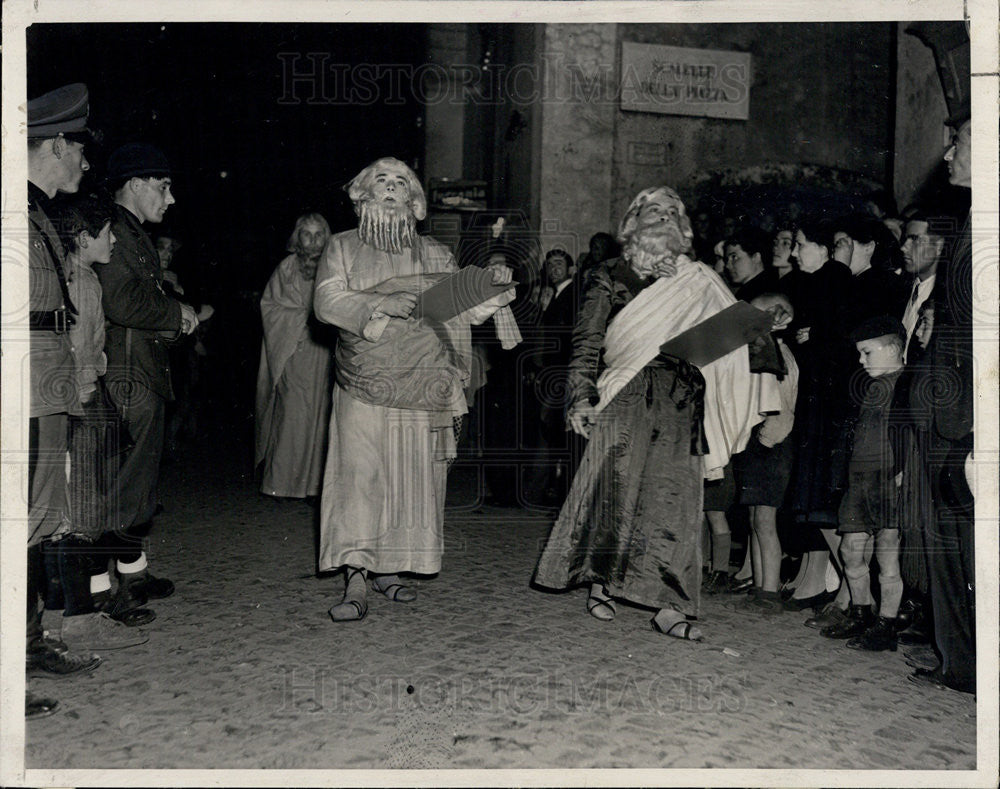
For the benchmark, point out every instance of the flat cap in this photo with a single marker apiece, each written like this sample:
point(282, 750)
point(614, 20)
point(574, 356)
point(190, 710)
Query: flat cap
point(60, 111)
point(878, 326)
point(137, 160)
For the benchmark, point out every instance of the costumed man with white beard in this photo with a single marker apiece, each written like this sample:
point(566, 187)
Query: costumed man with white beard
point(657, 425)
point(398, 397)
point(293, 381)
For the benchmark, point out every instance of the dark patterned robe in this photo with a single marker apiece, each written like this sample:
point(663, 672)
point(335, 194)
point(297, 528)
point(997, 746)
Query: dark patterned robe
point(633, 515)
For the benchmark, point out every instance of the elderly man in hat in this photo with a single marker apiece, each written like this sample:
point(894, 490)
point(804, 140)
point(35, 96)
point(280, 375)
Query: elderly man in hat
point(293, 380)
point(142, 319)
point(398, 396)
point(57, 133)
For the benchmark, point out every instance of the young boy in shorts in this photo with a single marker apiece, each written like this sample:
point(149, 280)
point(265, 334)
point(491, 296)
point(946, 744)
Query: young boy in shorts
point(868, 512)
point(764, 469)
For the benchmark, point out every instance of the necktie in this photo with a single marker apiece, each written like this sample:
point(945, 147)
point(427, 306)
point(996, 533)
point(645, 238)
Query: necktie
point(916, 289)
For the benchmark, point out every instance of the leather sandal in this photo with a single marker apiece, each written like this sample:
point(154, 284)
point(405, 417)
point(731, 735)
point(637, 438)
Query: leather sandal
point(349, 611)
point(601, 608)
point(684, 631)
point(395, 591)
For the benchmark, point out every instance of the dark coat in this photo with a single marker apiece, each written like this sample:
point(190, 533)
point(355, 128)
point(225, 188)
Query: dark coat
point(950, 350)
point(872, 293)
point(830, 390)
point(141, 317)
point(557, 327)
point(53, 373)
point(765, 282)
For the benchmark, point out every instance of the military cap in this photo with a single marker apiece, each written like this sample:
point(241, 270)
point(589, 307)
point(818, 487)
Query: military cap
point(137, 160)
point(60, 111)
point(878, 326)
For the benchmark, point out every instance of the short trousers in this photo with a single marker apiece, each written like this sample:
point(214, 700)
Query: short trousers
point(763, 473)
point(720, 494)
point(870, 503)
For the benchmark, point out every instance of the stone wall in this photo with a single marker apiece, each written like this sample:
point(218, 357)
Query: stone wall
point(921, 111)
point(820, 94)
point(577, 136)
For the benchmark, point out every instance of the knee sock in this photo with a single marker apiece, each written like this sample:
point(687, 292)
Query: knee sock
point(53, 589)
point(122, 546)
point(858, 580)
point(892, 593)
point(722, 545)
point(100, 583)
point(74, 572)
point(137, 565)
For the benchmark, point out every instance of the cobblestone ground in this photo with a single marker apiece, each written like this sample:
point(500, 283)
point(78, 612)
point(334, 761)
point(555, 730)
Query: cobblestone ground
point(244, 669)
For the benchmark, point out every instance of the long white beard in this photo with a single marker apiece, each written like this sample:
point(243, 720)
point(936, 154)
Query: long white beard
point(652, 250)
point(388, 227)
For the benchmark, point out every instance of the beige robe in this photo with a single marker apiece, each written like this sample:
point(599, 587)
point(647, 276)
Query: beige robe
point(386, 471)
point(293, 388)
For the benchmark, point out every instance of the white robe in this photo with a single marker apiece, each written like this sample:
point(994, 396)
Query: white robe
point(384, 487)
point(293, 388)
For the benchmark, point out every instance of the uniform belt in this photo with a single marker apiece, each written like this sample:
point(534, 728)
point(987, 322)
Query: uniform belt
point(57, 321)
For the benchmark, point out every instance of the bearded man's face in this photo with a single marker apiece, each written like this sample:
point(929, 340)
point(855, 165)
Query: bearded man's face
point(661, 234)
point(387, 220)
point(309, 246)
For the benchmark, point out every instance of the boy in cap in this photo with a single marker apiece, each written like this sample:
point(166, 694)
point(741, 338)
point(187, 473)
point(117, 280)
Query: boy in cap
point(142, 318)
point(868, 512)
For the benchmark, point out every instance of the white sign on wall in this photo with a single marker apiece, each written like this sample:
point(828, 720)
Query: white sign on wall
point(682, 81)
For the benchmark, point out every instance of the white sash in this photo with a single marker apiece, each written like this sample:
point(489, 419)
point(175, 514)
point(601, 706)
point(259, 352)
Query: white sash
point(734, 397)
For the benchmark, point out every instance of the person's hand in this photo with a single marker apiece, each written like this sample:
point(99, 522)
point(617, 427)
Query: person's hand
point(398, 305)
point(502, 275)
point(899, 479)
point(802, 335)
point(189, 320)
point(206, 312)
point(581, 418)
point(665, 268)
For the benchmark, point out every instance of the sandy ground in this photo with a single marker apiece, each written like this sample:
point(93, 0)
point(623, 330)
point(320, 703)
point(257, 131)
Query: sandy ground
point(244, 669)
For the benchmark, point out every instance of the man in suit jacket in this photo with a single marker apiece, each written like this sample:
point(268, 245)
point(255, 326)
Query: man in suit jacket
point(949, 358)
point(141, 320)
point(550, 385)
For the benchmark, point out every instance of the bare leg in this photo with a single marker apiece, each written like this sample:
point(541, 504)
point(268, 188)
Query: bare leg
point(750, 560)
point(765, 534)
point(852, 550)
point(814, 580)
point(890, 582)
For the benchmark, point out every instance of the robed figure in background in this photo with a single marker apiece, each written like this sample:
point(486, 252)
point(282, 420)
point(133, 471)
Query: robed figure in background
point(293, 381)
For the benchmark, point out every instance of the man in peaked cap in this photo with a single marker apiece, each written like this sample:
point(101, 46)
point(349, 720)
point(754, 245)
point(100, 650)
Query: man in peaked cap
point(57, 132)
point(142, 319)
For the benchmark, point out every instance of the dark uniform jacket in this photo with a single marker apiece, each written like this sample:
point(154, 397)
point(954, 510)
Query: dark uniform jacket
point(139, 313)
point(53, 375)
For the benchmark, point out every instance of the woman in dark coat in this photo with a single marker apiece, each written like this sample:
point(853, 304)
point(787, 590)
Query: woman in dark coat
point(819, 290)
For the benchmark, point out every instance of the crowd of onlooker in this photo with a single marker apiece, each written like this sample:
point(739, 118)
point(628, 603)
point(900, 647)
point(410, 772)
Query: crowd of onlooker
point(854, 494)
point(853, 501)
